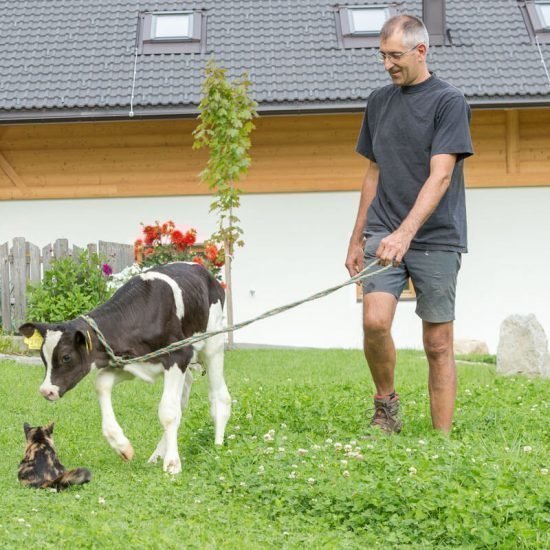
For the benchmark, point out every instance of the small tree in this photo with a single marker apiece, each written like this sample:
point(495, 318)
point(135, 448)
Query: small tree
point(226, 113)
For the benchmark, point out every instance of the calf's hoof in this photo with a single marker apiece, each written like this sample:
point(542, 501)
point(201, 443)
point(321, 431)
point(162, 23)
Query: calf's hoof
point(153, 459)
point(172, 466)
point(128, 453)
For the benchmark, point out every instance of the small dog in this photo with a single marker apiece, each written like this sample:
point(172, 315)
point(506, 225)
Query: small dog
point(40, 467)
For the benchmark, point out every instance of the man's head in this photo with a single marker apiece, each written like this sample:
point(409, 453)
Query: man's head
point(404, 44)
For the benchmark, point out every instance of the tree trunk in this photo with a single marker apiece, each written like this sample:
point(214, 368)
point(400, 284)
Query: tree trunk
point(228, 291)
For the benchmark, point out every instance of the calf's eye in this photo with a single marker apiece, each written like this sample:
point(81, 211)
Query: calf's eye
point(66, 359)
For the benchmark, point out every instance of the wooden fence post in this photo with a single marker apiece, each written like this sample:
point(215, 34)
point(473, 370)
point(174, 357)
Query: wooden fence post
point(22, 264)
point(47, 257)
point(118, 255)
point(61, 248)
point(77, 251)
point(34, 272)
point(19, 278)
point(5, 294)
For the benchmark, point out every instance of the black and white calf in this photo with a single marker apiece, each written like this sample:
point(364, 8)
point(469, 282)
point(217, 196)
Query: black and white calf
point(154, 309)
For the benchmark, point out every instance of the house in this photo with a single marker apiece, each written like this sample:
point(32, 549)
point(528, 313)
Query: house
point(98, 102)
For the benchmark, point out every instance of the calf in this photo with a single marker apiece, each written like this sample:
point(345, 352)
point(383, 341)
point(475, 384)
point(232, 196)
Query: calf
point(154, 309)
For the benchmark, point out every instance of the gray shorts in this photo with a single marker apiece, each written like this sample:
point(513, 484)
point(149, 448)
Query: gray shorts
point(433, 274)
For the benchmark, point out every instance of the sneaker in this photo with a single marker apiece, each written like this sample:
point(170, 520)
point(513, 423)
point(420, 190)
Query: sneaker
point(386, 414)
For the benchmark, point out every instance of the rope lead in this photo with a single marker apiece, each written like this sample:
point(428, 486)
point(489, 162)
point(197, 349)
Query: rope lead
point(121, 361)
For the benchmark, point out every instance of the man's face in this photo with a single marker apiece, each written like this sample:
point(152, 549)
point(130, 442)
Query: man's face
point(407, 69)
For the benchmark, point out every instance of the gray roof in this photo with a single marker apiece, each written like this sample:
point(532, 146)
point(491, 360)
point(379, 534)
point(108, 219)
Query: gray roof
point(75, 58)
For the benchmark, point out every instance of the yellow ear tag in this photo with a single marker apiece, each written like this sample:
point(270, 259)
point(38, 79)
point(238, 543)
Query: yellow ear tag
point(35, 341)
point(88, 342)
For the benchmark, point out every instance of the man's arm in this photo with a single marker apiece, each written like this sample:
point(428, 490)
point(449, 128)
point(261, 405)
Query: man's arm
point(354, 259)
point(393, 247)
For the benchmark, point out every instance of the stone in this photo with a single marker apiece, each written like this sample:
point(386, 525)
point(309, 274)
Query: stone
point(467, 347)
point(523, 347)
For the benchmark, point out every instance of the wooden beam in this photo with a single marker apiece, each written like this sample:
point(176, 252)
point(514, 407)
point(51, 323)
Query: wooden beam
point(512, 141)
point(58, 192)
point(13, 176)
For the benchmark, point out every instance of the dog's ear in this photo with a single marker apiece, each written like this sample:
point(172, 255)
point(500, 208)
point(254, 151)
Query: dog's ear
point(49, 428)
point(26, 428)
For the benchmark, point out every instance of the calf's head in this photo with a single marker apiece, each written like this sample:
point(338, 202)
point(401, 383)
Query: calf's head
point(65, 355)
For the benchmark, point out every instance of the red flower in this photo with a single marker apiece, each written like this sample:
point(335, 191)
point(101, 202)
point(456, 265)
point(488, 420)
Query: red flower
point(190, 237)
point(151, 233)
point(211, 252)
point(178, 239)
point(223, 285)
point(198, 260)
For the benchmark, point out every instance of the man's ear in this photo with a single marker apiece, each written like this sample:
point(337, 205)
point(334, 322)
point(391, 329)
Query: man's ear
point(28, 329)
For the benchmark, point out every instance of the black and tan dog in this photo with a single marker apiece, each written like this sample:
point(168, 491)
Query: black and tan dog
point(40, 467)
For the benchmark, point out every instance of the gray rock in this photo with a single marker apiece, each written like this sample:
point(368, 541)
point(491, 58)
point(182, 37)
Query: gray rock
point(467, 347)
point(523, 347)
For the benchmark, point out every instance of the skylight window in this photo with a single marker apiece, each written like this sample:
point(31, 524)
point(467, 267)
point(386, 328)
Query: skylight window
point(360, 26)
point(367, 20)
point(543, 9)
point(172, 26)
point(172, 32)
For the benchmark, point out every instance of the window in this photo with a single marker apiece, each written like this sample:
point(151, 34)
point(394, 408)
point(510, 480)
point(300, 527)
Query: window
point(172, 32)
point(359, 26)
point(536, 14)
point(543, 9)
point(176, 26)
point(366, 20)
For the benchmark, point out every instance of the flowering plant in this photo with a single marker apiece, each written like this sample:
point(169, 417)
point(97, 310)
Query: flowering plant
point(163, 243)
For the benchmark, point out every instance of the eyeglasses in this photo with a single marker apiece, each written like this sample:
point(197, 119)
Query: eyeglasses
point(393, 56)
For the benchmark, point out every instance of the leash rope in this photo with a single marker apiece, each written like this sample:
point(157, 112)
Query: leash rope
point(121, 361)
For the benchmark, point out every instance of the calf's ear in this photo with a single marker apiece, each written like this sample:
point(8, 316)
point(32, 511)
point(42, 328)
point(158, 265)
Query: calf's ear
point(80, 340)
point(28, 329)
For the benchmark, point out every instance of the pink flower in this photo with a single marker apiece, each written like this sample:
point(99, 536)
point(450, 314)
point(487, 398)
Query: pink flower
point(107, 270)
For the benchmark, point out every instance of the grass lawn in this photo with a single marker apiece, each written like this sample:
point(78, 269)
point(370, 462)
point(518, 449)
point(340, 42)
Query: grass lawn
point(299, 467)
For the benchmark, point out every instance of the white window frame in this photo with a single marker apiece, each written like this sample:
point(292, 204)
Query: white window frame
point(352, 31)
point(195, 42)
point(348, 37)
point(537, 27)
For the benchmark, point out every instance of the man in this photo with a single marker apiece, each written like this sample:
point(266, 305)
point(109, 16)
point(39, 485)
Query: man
point(412, 215)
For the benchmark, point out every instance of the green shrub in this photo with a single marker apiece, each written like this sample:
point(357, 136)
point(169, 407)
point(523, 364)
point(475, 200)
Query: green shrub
point(7, 345)
point(70, 287)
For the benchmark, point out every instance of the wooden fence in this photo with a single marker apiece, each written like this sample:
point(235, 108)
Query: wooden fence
point(24, 263)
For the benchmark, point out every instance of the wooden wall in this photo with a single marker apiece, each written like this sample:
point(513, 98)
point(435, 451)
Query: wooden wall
point(290, 154)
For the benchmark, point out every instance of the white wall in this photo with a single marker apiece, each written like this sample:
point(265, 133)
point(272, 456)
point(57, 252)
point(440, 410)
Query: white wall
point(296, 245)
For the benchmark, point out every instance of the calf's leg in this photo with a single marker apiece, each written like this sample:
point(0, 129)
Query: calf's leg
point(218, 394)
point(105, 381)
point(170, 417)
point(160, 451)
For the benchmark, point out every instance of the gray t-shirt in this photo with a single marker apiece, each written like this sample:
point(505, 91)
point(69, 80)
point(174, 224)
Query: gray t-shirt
point(403, 127)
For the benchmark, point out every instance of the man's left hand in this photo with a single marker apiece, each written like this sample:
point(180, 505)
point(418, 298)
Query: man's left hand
point(393, 247)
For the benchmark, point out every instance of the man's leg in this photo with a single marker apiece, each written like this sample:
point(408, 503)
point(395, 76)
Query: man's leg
point(378, 313)
point(438, 344)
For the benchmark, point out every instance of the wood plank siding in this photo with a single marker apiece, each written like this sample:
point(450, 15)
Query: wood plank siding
point(290, 154)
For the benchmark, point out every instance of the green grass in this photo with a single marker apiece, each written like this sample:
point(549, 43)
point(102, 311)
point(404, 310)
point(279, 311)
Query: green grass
point(482, 488)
